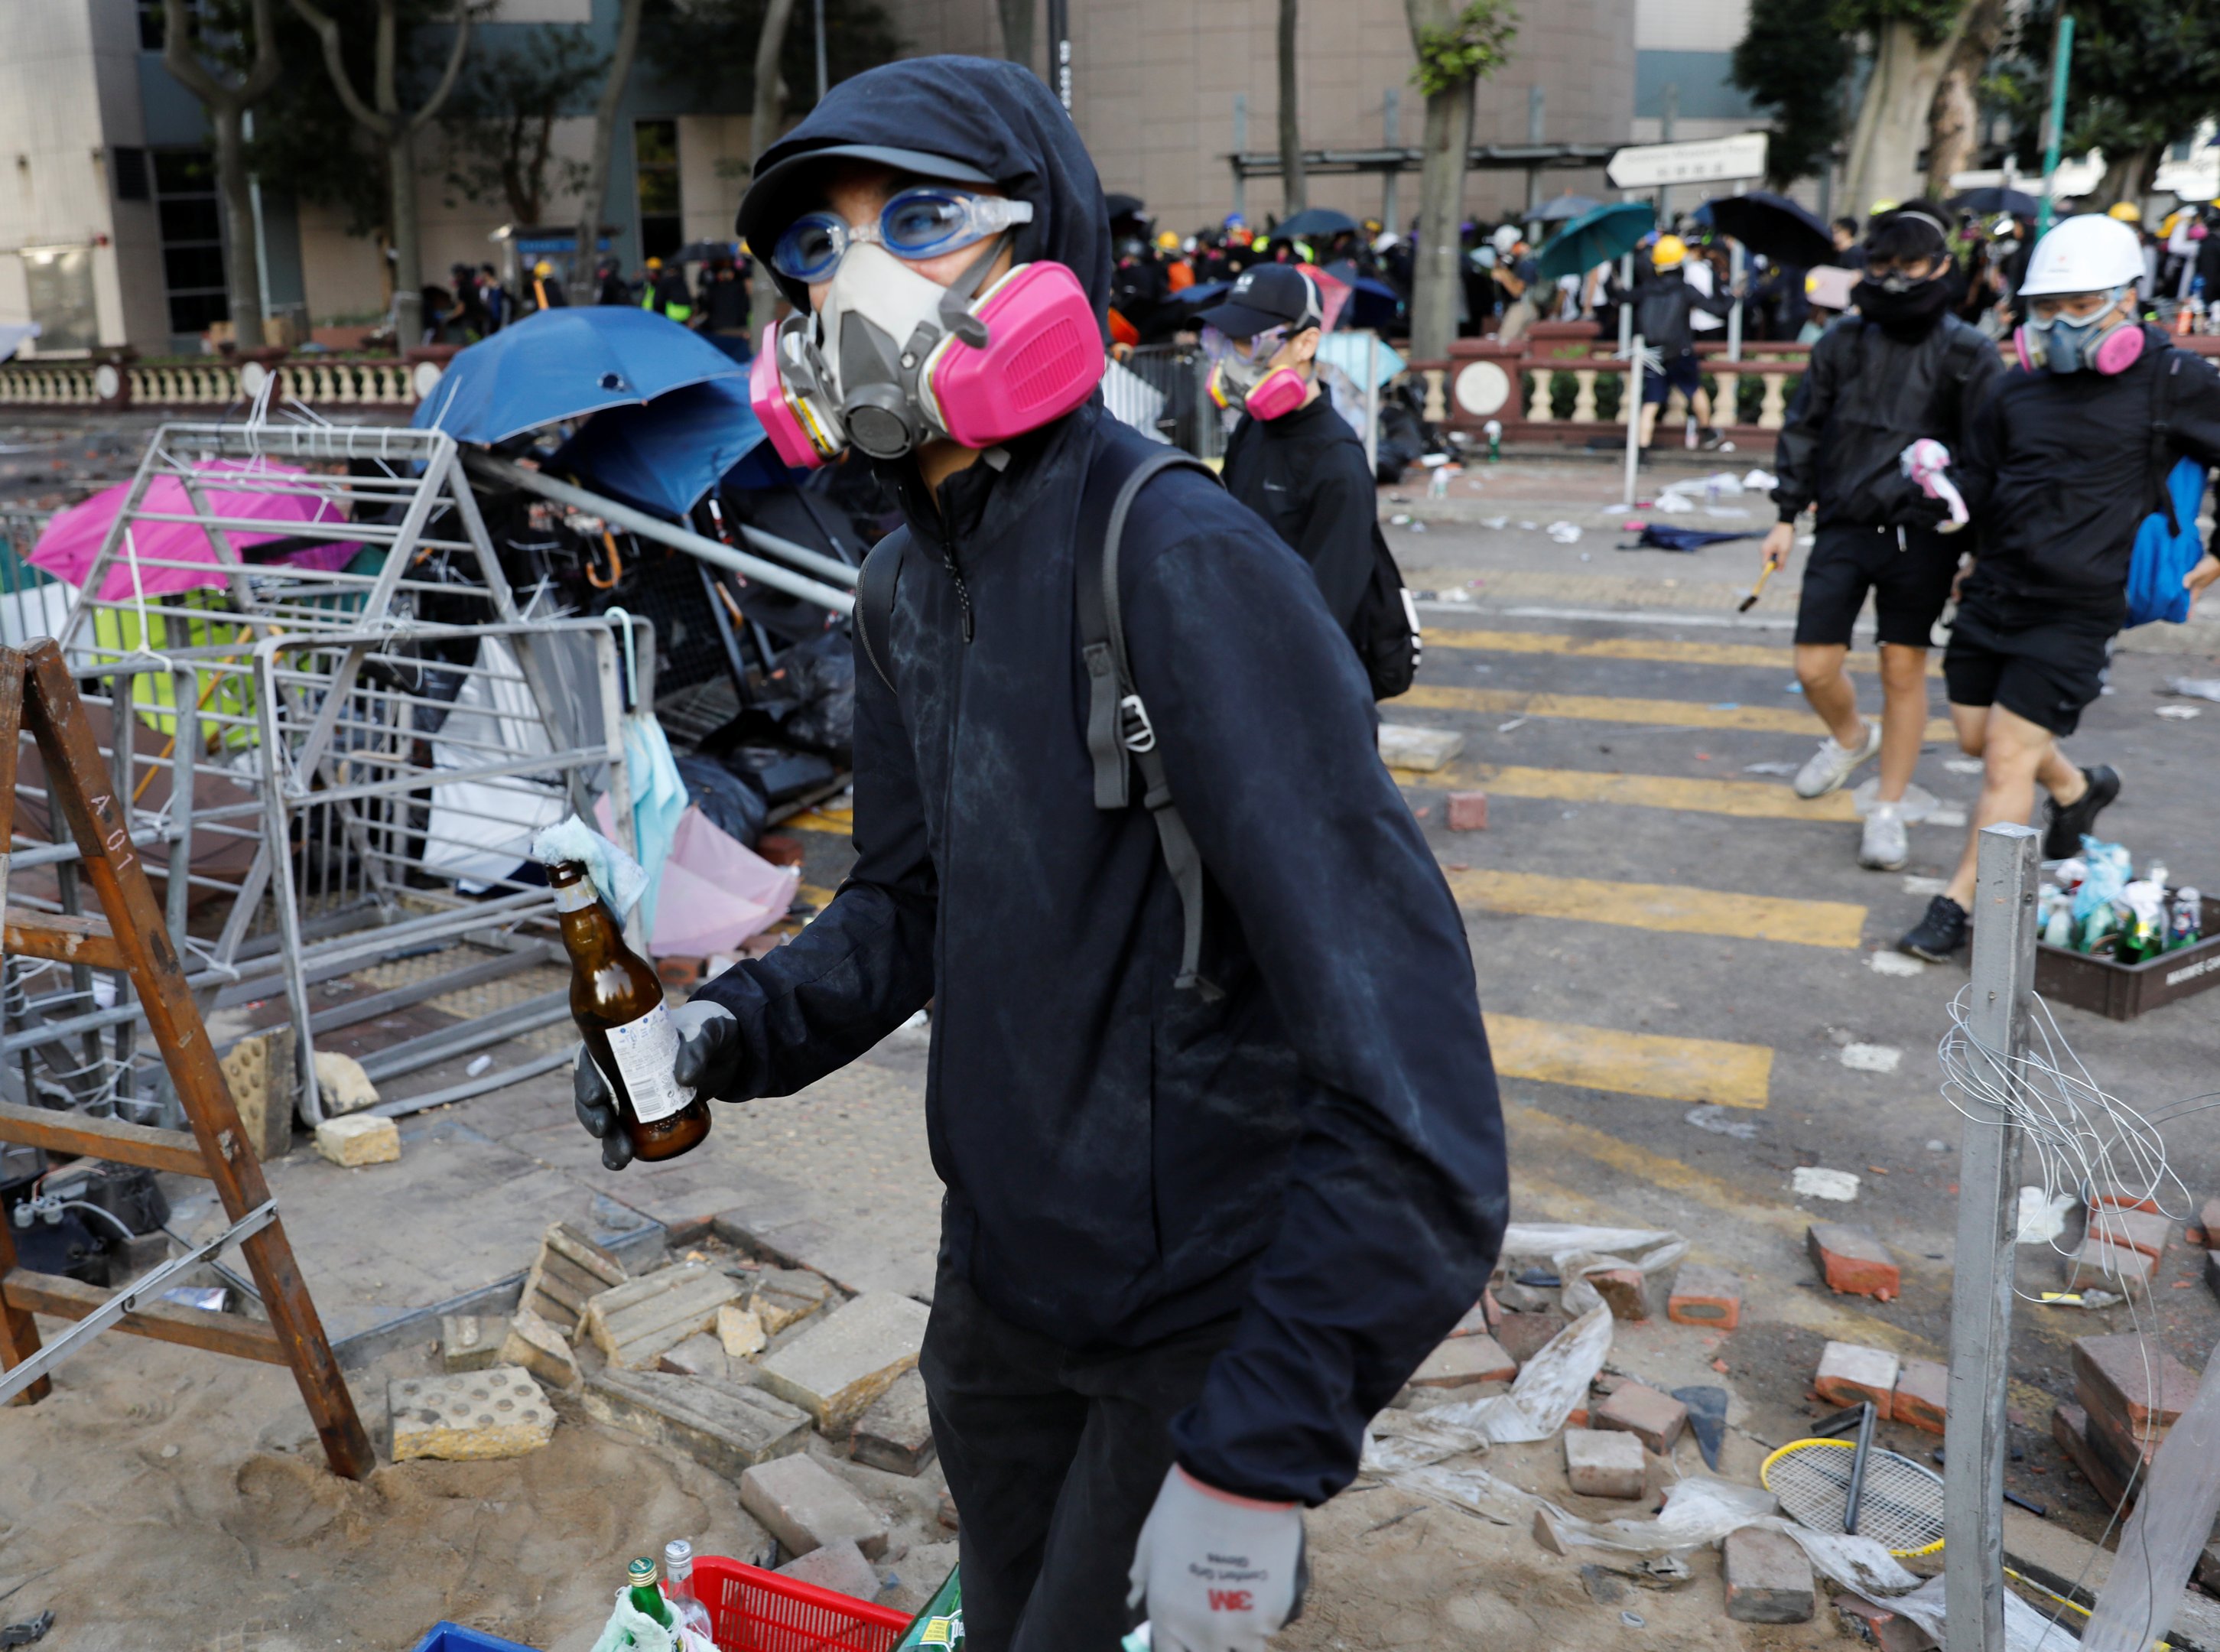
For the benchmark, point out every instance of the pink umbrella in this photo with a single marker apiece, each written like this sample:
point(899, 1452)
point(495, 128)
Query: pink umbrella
point(74, 537)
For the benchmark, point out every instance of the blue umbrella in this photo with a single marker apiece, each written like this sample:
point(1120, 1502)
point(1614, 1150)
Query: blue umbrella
point(1319, 222)
point(564, 363)
point(665, 456)
point(1596, 238)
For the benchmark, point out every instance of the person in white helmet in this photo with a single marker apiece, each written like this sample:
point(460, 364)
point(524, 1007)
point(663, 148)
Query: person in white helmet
point(2063, 463)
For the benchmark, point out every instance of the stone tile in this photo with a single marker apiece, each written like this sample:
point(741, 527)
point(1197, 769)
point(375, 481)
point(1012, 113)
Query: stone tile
point(839, 1567)
point(468, 1341)
point(541, 1349)
point(740, 1331)
point(1464, 1359)
point(849, 1358)
point(895, 1431)
point(1768, 1577)
point(784, 1296)
point(725, 1426)
point(359, 1139)
point(801, 1503)
point(1605, 1462)
point(495, 1412)
point(639, 1321)
point(1405, 745)
point(1654, 1418)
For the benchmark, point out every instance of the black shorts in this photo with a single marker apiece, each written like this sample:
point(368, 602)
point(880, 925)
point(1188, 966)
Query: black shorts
point(1682, 373)
point(1910, 584)
point(2039, 659)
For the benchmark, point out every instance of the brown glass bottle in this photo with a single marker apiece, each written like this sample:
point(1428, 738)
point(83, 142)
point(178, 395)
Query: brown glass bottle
point(617, 1002)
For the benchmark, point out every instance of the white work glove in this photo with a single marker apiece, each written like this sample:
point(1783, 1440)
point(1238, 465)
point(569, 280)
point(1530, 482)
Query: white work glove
point(1220, 1573)
point(709, 1060)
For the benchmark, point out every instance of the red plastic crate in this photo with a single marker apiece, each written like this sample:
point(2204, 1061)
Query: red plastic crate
point(754, 1610)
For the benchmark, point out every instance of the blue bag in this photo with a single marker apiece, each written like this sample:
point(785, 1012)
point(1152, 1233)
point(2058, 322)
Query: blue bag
point(2166, 546)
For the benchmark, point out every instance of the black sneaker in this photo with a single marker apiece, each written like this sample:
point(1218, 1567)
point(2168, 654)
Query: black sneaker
point(2063, 824)
point(1710, 440)
point(1939, 934)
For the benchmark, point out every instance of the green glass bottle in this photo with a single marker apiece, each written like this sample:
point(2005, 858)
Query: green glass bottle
point(646, 1599)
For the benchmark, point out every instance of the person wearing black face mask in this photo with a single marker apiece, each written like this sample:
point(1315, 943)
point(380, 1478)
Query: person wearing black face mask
point(1895, 370)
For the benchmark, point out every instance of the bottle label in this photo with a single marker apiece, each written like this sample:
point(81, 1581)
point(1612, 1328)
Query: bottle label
point(574, 897)
point(645, 1050)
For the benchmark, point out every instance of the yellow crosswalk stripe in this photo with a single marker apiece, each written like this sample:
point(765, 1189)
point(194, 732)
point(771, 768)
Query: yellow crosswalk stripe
point(838, 822)
point(1669, 650)
point(1671, 907)
point(1604, 709)
point(1749, 799)
point(1632, 1063)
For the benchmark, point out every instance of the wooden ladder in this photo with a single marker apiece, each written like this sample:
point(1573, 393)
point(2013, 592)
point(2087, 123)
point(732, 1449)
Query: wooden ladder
point(36, 689)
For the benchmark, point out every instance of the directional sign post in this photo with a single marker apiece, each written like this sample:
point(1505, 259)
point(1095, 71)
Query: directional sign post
point(1706, 160)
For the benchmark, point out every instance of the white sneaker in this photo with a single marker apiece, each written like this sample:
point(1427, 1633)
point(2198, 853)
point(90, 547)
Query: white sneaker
point(1885, 847)
point(1832, 764)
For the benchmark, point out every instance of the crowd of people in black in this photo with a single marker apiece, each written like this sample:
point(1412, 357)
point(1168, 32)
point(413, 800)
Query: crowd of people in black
point(476, 303)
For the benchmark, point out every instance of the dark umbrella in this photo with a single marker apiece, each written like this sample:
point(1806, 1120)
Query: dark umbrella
point(1773, 226)
point(705, 252)
point(1564, 208)
point(1124, 206)
point(1372, 302)
point(1596, 237)
point(2017, 203)
point(1313, 221)
point(664, 455)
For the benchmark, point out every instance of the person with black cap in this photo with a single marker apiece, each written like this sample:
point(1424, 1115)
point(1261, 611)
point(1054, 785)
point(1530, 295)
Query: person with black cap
point(1222, 1153)
point(1291, 459)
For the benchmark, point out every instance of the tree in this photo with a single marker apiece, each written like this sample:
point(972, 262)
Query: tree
point(1016, 31)
point(2144, 74)
point(1457, 49)
point(501, 123)
point(1913, 42)
point(1954, 117)
point(226, 103)
point(395, 131)
point(1294, 188)
point(765, 120)
point(594, 193)
point(694, 44)
point(1793, 60)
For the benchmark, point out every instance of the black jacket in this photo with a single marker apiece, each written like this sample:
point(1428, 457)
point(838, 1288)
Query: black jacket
point(1304, 473)
point(1320, 1151)
point(2059, 471)
point(1864, 399)
point(1663, 301)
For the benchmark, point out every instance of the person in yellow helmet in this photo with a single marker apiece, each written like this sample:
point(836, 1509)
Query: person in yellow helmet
point(665, 291)
point(1663, 302)
point(2126, 211)
point(546, 291)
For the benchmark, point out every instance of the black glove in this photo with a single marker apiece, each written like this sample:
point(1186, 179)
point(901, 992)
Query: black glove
point(709, 1060)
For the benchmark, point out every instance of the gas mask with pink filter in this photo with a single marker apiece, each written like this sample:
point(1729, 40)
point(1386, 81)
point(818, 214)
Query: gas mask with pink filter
point(1242, 375)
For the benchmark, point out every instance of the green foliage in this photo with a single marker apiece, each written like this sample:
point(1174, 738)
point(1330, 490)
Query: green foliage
point(1795, 58)
point(2144, 74)
point(499, 121)
point(1471, 46)
point(705, 49)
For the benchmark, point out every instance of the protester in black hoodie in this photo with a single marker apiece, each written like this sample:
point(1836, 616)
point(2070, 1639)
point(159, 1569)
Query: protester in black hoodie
point(1191, 1240)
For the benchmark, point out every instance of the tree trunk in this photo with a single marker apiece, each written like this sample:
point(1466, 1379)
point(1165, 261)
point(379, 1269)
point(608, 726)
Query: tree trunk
point(1435, 275)
point(1294, 188)
point(2127, 176)
point(407, 244)
point(242, 271)
point(1953, 119)
point(1884, 156)
point(764, 125)
point(594, 198)
point(1018, 31)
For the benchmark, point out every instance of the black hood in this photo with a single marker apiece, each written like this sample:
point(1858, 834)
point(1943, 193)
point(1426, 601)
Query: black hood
point(989, 115)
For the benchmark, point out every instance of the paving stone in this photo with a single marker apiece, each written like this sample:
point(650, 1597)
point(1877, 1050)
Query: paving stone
point(783, 1296)
point(263, 1078)
point(569, 1269)
point(801, 1505)
point(469, 1342)
point(1605, 1462)
point(1476, 1322)
point(2207, 1231)
point(2131, 1271)
point(1705, 1296)
point(740, 1330)
point(2136, 1380)
point(495, 1412)
point(1768, 1577)
point(1405, 745)
point(636, 1323)
point(1923, 1394)
point(541, 1349)
point(1468, 812)
point(1892, 1632)
point(2128, 1448)
point(728, 1427)
point(1625, 1292)
point(1854, 1261)
point(700, 1356)
point(1849, 1372)
point(849, 1358)
point(1461, 1361)
point(839, 1567)
point(1515, 1298)
point(1654, 1418)
point(2134, 1229)
point(1522, 1335)
point(2069, 1427)
point(895, 1433)
point(342, 1086)
point(361, 1138)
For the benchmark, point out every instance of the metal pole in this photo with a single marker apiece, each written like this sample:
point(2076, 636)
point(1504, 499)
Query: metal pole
point(261, 241)
point(1625, 305)
point(1974, 1442)
point(1240, 148)
point(821, 51)
point(1391, 124)
point(2062, 58)
point(1669, 116)
point(1632, 398)
point(1735, 268)
point(1059, 48)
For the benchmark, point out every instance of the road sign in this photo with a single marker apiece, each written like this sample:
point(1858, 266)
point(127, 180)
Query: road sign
point(1706, 160)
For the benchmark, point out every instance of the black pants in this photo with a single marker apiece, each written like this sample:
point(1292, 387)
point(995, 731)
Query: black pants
point(1054, 1459)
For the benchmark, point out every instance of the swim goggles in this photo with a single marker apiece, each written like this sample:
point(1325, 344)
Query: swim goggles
point(918, 223)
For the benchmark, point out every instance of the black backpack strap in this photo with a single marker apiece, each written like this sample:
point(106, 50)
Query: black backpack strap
point(1118, 732)
point(2161, 445)
point(874, 604)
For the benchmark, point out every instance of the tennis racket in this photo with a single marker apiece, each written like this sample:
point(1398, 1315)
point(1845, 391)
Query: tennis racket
point(1899, 1503)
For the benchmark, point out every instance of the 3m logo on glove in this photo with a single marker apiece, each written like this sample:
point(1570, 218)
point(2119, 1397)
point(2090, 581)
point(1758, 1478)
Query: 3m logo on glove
point(1231, 1600)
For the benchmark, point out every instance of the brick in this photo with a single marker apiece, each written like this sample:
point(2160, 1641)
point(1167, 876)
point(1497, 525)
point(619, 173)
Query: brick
point(1475, 1322)
point(1705, 1296)
point(1402, 745)
point(2131, 1271)
point(784, 1296)
point(839, 1567)
point(2212, 1271)
point(1625, 1292)
point(802, 1506)
point(2137, 1382)
point(2134, 1229)
point(1849, 1372)
point(342, 1086)
point(1522, 1335)
point(1468, 812)
point(468, 1342)
point(1605, 1462)
point(2124, 1198)
point(2128, 1448)
point(1546, 1534)
point(569, 1269)
point(1768, 1577)
point(849, 1358)
point(2208, 1226)
point(740, 1331)
point(1853, 1261)
point(727, 1427)
point(360, 1138)
point(780, 848)
point(895, 1433)
point(698, 1356)
point(1523, 1298)
point(495, 1412)
point(636, 1323)
point(2069, 1427)
point(264, 1079)
point(541, 1349)
point(1464, 1359)
point(2207, 1569)
point(1923, 1394)
point(1654, 1418)
point(1892, 1632)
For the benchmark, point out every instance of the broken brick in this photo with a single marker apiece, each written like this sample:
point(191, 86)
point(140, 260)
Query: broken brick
point(1768, 1577)
point(2207, 1231)
point(1605, 1462)
point(468, 1418)
point(1475, 1322)
point(358, 1139)
point(2128, 1448)
point(895, 1433)
point(1522, 1335)
point(1890, 1630)
point(1705, 1296)
point(727, 1427)
point(1853, 1261)
point(541, 1349)
point(2132, 1229)
point(1923, 1394)
point(2124, 1198)
point(839, 1567)
point(1849, 1373)
point(2069, 1427)
point(1654, 1418)
point(1468, 812)
point(2131, 1271)
point(801, 1503)
point(849, 1358)
point(1463, 1360)
point(468, 1342)
point(1625, 1292)
point(783, 1296)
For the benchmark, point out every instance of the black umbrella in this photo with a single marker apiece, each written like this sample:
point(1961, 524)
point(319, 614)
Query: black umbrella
point(1774, 227)
point(1124, 206)
point(1565, 207)
point(1311, 222)
point(2017, 203)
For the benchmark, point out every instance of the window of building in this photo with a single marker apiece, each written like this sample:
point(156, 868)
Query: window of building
point(192, 219)
point(130, 166)
point(60, 282)
point(655, 172)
